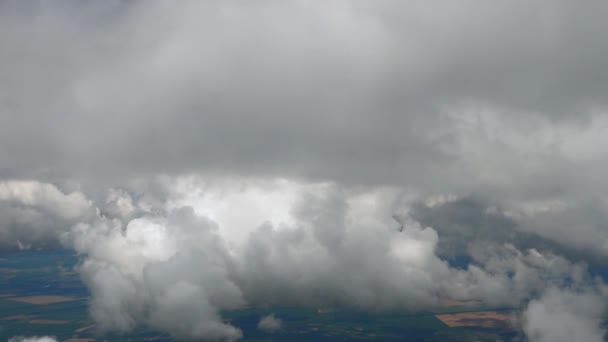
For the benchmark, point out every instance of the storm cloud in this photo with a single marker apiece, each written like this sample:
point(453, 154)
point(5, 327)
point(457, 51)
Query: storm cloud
point(441, 97)
point(260, 149)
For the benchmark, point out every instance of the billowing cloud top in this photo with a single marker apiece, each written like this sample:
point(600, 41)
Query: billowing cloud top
point(255, 149)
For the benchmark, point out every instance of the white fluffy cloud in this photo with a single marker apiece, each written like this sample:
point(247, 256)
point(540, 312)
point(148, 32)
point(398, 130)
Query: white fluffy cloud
point(270, 324)
point(171, 273)
point(33, 214)
point(32, 339)
point(564, 316)
point(176, 270)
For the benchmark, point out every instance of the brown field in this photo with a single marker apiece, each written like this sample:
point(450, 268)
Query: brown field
point(48, 321)
point(484, 319)
point(42, 300)
point(85, 328)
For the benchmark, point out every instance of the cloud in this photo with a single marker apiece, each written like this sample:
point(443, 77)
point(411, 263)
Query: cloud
point(255, 150)
point(270, 324)
point(33, 214)
point(170, 273)
point(369, 93)
point(176, 271)
point(32, 339)
point(504, 275)
point(565, 315)
point(463, 222)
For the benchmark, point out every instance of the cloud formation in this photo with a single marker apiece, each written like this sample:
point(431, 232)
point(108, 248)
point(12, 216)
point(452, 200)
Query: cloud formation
point(171, 273)
point(254, 150)
point(34, 214)
point(564, 315)
point(32, 339)
point(270, 324)
point(177, 271)
point(363, 93)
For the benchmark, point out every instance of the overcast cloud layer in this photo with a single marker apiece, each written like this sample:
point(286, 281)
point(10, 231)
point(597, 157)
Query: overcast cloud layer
point(253, 150)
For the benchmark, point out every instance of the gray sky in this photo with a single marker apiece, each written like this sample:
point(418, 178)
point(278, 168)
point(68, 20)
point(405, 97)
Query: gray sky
point(350, 91)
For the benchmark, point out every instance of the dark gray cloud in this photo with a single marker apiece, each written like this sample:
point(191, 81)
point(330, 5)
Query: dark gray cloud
point(351, 91)
point(575, 232)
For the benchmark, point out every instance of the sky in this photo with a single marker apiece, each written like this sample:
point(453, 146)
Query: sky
point(256, 150)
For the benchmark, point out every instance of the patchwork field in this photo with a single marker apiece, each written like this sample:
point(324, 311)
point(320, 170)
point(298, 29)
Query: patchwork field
point(48, 321)
point(42, 300)
point(484, 319)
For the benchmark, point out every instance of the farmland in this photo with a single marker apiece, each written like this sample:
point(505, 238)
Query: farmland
point(41, 295)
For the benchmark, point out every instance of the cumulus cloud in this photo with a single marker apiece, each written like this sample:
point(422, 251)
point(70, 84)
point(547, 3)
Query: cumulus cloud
point(504, 275)
point(32, 339)
point(270, 324)
point(34, 214)
point(321, 257)
point(171, 273)
point(464, 222)
point(565, 315)
point(177, 271)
